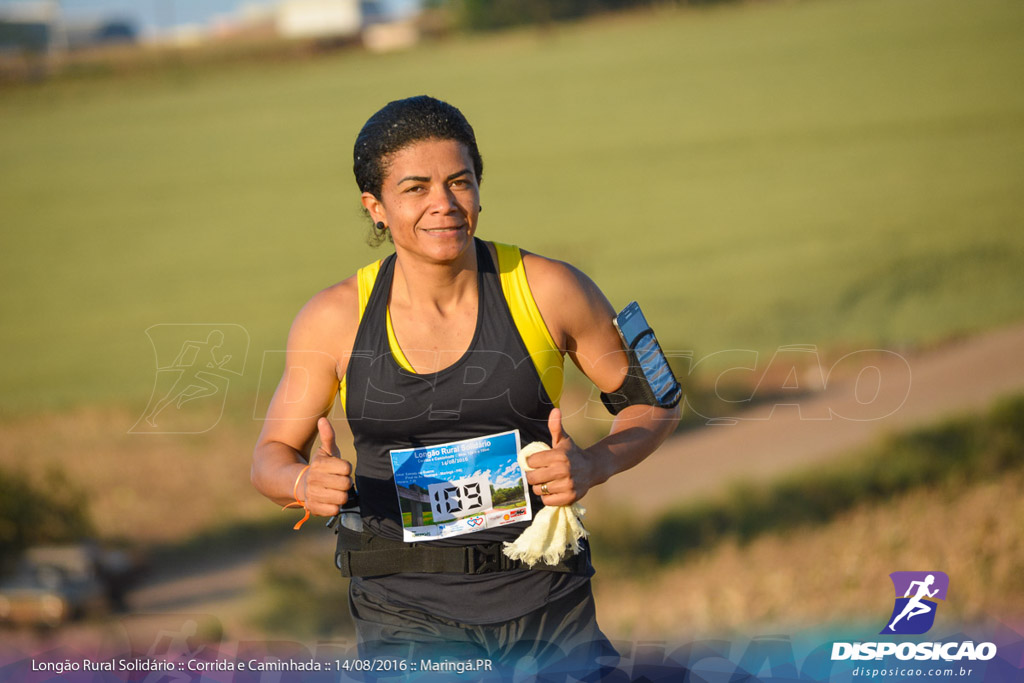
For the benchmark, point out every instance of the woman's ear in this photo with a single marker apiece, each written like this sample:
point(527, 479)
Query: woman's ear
point(374, 207)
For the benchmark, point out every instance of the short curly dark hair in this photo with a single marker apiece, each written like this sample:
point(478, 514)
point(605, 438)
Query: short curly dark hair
point(399, 124)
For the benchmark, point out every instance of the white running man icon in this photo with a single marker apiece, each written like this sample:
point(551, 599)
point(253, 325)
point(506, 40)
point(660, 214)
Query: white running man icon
point(196, 363)
point(916, 605)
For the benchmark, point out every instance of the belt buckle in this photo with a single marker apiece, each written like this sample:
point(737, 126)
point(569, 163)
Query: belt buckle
point(484, 559)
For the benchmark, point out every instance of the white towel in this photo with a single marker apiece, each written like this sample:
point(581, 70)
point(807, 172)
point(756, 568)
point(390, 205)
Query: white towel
point(554, 531)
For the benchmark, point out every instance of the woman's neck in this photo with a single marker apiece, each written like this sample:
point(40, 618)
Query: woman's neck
point(435, 286)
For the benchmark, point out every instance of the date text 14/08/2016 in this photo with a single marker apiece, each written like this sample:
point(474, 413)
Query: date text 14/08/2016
point(457, 667)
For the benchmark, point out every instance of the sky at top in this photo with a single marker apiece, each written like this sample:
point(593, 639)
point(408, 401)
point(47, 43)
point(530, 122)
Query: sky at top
point(155, 15)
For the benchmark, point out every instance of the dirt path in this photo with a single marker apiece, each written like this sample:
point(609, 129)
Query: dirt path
point(961, 376)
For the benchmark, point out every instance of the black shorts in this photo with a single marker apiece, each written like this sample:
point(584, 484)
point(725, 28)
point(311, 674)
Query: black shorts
point(558, 642)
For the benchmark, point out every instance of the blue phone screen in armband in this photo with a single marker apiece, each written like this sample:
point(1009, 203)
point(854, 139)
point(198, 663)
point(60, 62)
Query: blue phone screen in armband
point(638, 335)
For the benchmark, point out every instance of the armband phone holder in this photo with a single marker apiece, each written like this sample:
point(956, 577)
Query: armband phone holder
point(649, 380)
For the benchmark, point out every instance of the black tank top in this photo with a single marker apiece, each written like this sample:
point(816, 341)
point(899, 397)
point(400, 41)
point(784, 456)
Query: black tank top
point(494, 387)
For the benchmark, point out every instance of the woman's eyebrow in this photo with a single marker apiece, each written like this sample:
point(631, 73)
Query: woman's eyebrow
point(426, 179)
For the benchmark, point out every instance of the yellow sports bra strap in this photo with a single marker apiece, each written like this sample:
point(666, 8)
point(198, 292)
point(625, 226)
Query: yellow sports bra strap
point(542, 348)
point(365, 277)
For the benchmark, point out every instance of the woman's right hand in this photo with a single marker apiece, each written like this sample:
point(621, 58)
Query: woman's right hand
point(329, 478)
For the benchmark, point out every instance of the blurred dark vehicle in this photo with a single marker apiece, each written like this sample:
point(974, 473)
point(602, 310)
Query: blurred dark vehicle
point(55, 584)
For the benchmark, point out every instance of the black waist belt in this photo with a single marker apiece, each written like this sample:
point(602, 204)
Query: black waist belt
point(363, 554)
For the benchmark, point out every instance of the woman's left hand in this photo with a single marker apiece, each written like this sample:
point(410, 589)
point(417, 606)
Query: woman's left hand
point(564, 474)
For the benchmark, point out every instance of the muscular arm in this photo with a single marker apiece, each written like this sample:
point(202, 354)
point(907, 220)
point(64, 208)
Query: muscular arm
point(579, 318)
point(319, 343)
point(921, 587)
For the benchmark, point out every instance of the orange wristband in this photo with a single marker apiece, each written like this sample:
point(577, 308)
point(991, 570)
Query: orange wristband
point(297, 503)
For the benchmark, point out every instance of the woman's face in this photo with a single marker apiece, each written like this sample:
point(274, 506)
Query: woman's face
point(429, 200)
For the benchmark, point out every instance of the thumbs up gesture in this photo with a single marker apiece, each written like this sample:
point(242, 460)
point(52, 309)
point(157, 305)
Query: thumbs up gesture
point(329, 478)
point(564, 474)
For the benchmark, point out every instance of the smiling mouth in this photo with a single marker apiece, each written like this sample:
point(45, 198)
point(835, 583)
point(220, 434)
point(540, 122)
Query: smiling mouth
point(453, 228)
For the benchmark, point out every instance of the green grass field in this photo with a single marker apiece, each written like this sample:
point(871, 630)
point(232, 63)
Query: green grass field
point(826, 172)
point(428, 518)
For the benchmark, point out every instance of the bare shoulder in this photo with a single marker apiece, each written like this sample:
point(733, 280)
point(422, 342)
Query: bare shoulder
point(566, 296)
point(544, 273)
point(327, 322)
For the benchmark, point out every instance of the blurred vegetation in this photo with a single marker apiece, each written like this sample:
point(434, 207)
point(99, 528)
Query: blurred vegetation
point(301, 593)
point(224, 538)
point(831, 575)
point(51, 509)
point(953, 454)
point(489, 15)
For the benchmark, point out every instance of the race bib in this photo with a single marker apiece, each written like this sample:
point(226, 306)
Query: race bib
point(460, 487)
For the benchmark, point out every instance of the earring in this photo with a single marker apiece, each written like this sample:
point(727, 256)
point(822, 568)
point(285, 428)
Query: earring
point(479, 209)
point(380, 226)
